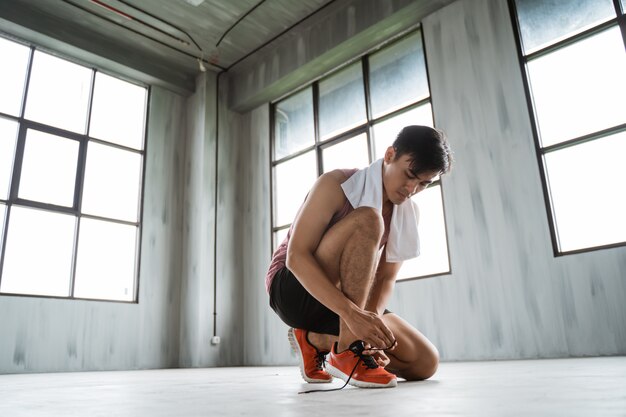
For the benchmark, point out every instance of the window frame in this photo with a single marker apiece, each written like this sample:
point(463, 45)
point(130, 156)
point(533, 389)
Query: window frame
point(620, 21)
point(83, 139)
point(366, 128)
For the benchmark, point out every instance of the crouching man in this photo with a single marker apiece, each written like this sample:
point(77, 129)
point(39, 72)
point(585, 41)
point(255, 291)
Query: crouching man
point(332, 276)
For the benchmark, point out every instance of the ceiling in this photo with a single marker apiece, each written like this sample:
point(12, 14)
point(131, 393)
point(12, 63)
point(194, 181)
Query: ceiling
point(164, 33)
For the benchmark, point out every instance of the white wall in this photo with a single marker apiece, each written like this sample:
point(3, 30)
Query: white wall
point(507, 297)
point(42, 334)
point(197, 269)
point(264, 333)
point(202, 294)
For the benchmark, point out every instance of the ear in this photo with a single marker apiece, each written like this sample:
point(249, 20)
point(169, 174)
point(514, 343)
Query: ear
point(390, 154)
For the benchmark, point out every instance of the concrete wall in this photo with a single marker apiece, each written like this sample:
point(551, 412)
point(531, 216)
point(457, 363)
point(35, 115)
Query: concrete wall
point(507, 297)
point(39, 334)
point(230, 259)
point(197, 269)
point(209, 143)
point(264, 334)
point(172, 324)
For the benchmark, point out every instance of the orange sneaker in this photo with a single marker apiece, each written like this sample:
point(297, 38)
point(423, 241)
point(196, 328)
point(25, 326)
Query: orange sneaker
point(311, 360)
point(366, 375)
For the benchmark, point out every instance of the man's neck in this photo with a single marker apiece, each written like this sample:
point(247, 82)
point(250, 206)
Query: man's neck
point(387, 207)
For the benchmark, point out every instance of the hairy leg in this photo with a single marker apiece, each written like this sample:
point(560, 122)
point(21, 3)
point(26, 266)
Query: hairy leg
point(348, 254)
point(415, 357)
point(322, 342)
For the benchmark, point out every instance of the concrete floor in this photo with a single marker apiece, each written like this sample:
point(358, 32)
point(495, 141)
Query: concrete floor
point(587, 387)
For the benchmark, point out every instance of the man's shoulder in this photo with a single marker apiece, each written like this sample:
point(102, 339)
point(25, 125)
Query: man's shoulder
point(337, 176)
point(340, 175)
point(328, 187)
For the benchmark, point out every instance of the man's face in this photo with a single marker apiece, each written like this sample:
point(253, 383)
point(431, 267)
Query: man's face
point(398, 180)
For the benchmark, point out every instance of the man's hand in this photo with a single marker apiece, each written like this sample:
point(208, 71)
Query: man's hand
point(370, 328)
point(379, 356)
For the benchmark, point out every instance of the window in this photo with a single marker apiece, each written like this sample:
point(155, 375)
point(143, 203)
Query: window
point(347, 120)
point(574, 59)
point(71, 168)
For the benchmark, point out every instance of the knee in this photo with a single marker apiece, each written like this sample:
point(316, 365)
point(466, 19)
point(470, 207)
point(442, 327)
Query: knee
point(370, 222)
point(430, 365)
point(425, 367)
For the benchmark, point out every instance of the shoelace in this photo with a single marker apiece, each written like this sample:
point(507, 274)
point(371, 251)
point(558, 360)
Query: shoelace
point(367, 360)
point(320, 359)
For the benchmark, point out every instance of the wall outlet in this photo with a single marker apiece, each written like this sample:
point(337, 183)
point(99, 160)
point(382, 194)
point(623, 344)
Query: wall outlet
point(215, 340)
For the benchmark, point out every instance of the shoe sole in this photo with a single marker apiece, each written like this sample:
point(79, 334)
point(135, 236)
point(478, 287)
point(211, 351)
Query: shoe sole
point(355, 382)
point(296, 349)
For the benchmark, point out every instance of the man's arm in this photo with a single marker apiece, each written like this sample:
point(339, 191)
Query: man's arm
point(384, 283)
point(324, 200)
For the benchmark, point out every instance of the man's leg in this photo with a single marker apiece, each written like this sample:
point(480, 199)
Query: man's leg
point(415, 358)
point(348, 254)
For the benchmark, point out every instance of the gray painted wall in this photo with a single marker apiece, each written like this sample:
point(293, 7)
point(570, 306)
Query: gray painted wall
point(264, 333)
point(172, 324)
point(230, 259)
point(40, 334)
point(197, 289)
point(507, 297)
point(199, 299)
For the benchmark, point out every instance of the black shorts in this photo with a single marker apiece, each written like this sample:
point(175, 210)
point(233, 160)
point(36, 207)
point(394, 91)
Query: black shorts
point(297, 308)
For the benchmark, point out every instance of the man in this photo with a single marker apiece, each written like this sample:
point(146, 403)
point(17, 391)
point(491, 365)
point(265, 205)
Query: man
point(331, 278)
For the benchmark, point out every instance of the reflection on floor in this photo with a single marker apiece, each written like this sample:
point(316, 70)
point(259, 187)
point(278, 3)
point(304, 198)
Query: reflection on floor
point(561, 387)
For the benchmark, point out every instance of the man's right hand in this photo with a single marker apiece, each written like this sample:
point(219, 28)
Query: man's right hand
point(370, 327)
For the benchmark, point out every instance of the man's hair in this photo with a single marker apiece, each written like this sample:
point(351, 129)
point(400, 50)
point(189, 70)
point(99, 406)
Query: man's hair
point(428, 149)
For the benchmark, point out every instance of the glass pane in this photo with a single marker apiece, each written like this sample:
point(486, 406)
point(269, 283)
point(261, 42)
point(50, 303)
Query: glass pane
point(433, 258)
point(546, 22)
point(8, 136)
point(293, 124)
point(292, 181)
point(118, 111)
point(351, 153)
point(279, 237)
point(105, 264)
point(398, 75)
point(112, 179)
point(38, 257)
point(342, 101)
point(587, 190)
point(58, 93)
point(385, 133)
point(3, 211)
point(13, 70)
point(49, 168)
point(578, 90)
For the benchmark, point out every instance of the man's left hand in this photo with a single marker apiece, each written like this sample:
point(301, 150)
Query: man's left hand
point(379, 356)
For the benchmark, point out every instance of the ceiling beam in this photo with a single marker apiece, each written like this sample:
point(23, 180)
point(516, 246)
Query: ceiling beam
point(59, 36)
point(327, 40)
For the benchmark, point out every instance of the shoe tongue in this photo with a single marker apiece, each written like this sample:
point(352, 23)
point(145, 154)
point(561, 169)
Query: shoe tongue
point(369, 361)
point(357, 347)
